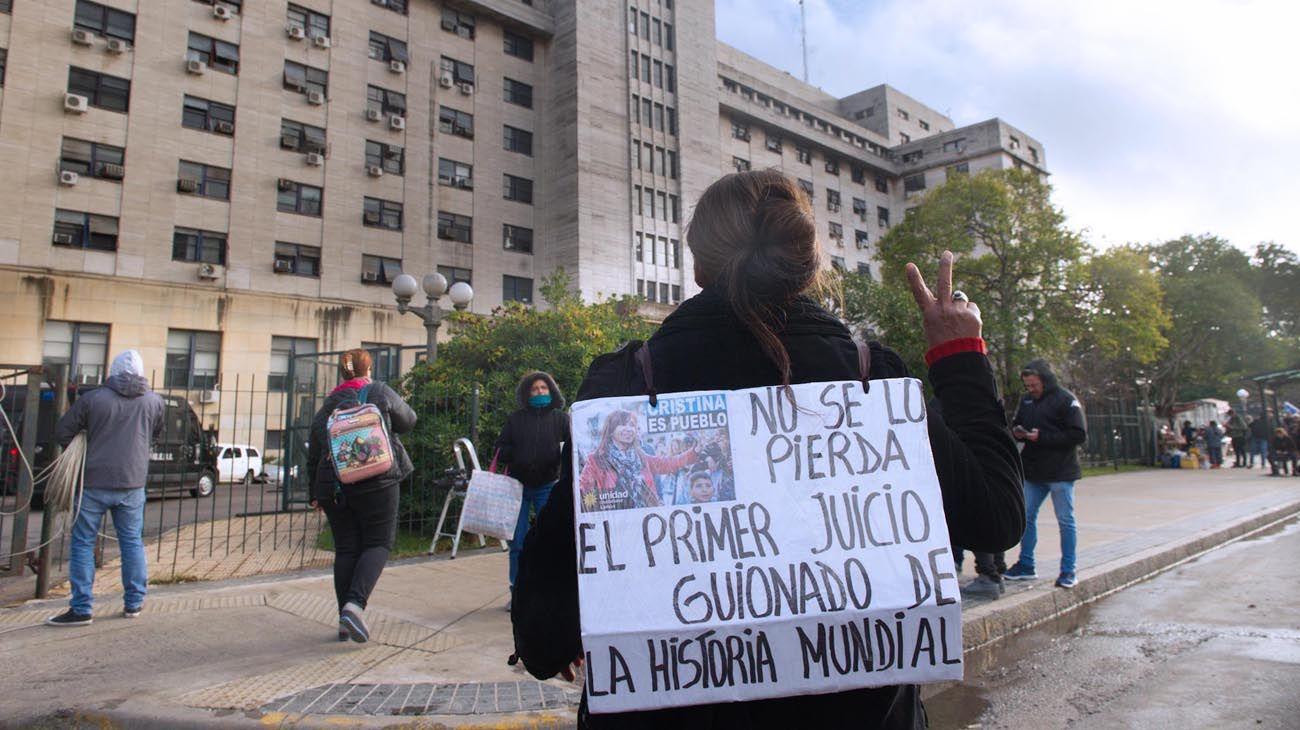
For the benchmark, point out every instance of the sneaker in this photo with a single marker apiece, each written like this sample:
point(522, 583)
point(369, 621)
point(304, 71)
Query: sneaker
point(1066, 580)
point(344, 634)
point(1020, 571)
point(70, 618)
point(132, 612)
point(355, 623)
point(983, 587)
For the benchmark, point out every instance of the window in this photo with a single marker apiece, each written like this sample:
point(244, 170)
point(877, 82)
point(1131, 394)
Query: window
point(1014, 142)
point(6, 6)
point(647, 113)
point(193, 359)
point(773, 144)
point(452, 121)
point(804, 155)
point(1033, 154)
point(902, 114)
point(658, 74)
point(304, 79)
point(4, 58)
point(456, 174)
point(102, 91)
point(301, 137)
point(233, 6)
point(210, 182)
point(807, 188)
point(658, 35)
point(275, 437)
point(80, 346)
point(518, 189)
point(518, 140)
point(461, 73)
point(858, 174)
point(740, 163)
point(382, 214)
point(677, 293)
point(675, 246)
point(882, 215)
point(385, 364)
point(663, 293)
point(864, 270)
point(312, 23)
point(631, 21)
point(104, 21)
point(658, 117)
point(837, 263)
point(833, 167)
point(387, 102)
point(672, 164)
point(959, 169)
point(397, 6)
point(645, 25)
point(860, 208)
point(453, 21)
point(832, 200)
point(379, 269)
point(296, 197)
point(837, 231)
point(639, 247)
point(882, 184)
point(517, 92)
point(645, 68)
point(455, 274)
point(297, 259)
point(955, 145)
point(663, 204)
point(383, 48)
point(740, 131)
point(516, 289)
point(190, 244)
point(860, 238)
point(518, 46)
point(85, 230)
point(455, 227)
point(388, 157)
point(914, 183)
point(633, 66)
point(516, 238)
point(218, 55)
point(283, 352)
point(209, 116)
point(925, 126)
point(913, 156)
point(668, 36)
point(91, 159)
point(675, 204)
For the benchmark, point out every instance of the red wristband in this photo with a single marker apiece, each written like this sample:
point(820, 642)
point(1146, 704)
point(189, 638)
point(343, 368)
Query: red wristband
point(952, 347)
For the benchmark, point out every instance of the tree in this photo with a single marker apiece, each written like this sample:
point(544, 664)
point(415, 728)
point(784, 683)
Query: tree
point(1277, 284)
point(1015, 258)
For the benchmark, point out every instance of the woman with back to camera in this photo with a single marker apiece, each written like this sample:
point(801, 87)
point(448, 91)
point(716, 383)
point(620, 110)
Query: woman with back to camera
point(362, 516)
point(753, 237)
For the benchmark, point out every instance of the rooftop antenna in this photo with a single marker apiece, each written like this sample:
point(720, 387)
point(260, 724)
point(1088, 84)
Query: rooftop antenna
point(803, 40)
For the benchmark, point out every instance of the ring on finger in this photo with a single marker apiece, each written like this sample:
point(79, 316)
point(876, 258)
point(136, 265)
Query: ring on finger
point(960, 296)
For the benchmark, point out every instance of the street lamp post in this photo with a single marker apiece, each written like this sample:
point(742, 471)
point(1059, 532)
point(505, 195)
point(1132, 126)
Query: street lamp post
point(434, 285)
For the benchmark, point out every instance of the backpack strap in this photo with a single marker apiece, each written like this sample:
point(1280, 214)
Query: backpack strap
point(864, 364)
point(642, 358)
point(361, 394)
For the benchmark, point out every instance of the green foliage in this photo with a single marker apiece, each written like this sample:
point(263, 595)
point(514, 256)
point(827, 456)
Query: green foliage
point(1277, 284)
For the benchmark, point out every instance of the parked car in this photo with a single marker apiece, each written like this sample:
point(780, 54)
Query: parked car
point(237, 461)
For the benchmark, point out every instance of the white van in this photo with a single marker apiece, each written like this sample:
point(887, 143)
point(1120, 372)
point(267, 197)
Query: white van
point(236, 461)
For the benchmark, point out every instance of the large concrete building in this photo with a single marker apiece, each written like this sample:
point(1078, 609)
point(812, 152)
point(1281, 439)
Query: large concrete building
point(224, 184)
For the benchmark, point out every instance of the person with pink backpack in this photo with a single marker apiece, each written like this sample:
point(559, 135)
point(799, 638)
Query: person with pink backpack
point(357, 463)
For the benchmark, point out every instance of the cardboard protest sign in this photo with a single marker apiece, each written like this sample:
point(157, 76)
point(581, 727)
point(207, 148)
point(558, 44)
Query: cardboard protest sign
point(733, 545)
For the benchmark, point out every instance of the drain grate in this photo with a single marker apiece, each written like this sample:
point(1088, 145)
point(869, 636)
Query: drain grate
point(465, 698)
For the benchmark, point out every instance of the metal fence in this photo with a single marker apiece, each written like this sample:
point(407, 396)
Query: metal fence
point(1119, 432)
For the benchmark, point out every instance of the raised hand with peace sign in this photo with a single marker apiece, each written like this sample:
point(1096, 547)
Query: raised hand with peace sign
point(947, 315)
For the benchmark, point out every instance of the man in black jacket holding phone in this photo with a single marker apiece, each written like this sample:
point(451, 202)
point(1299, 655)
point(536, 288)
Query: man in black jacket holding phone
point(1050, 423)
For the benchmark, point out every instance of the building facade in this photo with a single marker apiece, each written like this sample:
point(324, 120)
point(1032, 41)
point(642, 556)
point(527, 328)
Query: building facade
point(224, 184)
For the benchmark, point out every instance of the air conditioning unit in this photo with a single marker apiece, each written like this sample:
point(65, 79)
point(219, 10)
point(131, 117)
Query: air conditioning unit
point(63, 239)
point(207, 271)
point(112, 171)
point(374, 171)
point(186, 185)
point(466, 88)
point(75, 103)
point(196, 67)
point(370, 276)
point(397, 67)
point(283, 266)
point(224, 128)
point(295, 32)
point(446, 80)
point(315, 98)
point(374, 115)
point(397, 122)
point(321, 41)
point(116, 45)
point(284, 183)
point(221, 12)
point(371, 216)
point(861, 245)
point(83, 37)
point(68, 177)
point(209, 396)
point(315, 159)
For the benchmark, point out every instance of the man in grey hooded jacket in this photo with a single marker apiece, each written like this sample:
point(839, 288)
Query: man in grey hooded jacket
point(121, 420)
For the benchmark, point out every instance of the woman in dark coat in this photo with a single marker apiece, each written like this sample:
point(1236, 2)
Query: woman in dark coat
point(362, 516)
point(753, 237)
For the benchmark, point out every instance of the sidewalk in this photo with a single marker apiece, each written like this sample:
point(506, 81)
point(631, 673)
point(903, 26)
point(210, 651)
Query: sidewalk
point(262, 652)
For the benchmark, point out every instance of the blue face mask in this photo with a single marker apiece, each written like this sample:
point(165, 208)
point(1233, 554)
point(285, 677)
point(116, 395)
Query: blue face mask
point(539, 401)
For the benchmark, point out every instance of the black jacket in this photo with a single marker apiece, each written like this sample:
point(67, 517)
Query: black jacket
point(1259, 429)
point(398, 417)
point(530, 441)
point(1057, 415)
point(703, 346)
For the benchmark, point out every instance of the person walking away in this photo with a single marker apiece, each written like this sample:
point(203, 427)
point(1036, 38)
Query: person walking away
point(1259, 438)
point(1050, 422)
point(530, 446)
point(1189, 434)
point(121, 419)
point(1282, 452)
point(1238, 433)
point(758, 322)
point(1214, 443)
point(362, 516)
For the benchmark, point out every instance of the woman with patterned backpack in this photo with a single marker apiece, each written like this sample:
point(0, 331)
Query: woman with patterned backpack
point(354, 431)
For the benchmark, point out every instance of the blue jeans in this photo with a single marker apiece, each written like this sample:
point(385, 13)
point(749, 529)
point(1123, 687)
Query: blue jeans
point(1062, 494)
point(533, 496)
point(127, 508)
point(1259, 446)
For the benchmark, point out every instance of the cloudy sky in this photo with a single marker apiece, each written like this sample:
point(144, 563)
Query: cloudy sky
point(1159, 118)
